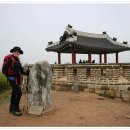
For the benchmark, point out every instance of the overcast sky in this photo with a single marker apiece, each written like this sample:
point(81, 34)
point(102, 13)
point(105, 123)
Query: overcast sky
point(32, 25)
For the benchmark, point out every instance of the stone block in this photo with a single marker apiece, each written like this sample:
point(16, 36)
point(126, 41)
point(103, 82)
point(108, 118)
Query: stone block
point(110, 92)
point(91, 90)
point(99, 91)
point(117, 93)
point(58, 88)
point(86, 89)
point(125, 95)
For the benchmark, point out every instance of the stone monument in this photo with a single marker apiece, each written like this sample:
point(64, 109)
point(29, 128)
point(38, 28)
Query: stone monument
point(40, 85)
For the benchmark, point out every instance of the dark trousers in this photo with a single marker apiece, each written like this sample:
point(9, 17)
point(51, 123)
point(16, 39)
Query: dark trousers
point(15, 96)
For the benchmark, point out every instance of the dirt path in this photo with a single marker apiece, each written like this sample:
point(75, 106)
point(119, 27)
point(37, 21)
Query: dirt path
point(70, 109)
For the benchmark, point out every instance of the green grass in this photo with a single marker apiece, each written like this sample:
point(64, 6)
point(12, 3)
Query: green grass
point(3, 83)
point(5, 89)
point(5, 97)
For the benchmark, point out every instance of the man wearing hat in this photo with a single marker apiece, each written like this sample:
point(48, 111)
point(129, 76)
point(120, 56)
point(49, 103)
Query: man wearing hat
point(12, 69)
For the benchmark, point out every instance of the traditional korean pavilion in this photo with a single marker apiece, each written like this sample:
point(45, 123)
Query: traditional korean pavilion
point(77, 42)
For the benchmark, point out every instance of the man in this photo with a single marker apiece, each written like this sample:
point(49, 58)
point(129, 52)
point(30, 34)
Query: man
point(12, 69)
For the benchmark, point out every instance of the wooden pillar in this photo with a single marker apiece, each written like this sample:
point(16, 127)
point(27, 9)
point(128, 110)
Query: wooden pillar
point(89, 57)
point(73, 56)
point(105, 58)
point(59, 58)
point(116, 57)
point(100, 58)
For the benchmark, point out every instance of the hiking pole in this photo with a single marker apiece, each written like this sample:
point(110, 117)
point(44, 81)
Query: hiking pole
point(24, 85)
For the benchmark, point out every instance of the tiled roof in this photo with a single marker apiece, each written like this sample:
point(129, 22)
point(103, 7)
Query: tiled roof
point(84, 42)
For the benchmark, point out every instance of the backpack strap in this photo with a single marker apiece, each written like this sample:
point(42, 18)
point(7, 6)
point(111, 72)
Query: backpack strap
point(13, 60)
point(10, 70)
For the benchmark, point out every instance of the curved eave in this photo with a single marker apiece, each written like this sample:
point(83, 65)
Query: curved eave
point(57, 47)
point(65, 48)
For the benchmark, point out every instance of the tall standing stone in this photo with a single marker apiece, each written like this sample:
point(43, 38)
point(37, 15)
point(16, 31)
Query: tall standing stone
point(40, 82)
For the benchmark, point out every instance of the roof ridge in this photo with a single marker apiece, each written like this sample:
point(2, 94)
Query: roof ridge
point(94, 35)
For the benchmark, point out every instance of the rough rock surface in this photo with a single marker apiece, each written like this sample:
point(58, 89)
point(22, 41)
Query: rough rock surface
point(40, 81)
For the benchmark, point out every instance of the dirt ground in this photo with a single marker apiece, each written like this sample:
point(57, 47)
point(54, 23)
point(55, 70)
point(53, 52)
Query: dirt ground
point(81, 109)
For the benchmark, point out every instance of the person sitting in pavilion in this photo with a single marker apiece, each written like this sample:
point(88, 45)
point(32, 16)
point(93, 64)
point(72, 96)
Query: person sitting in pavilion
point(80, 61)
point(93, 61)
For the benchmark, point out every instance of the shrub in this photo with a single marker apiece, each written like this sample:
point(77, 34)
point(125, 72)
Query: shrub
point(3, 83)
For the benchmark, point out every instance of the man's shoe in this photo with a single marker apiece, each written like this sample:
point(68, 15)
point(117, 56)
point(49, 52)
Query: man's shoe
point(17, 109)
point(16, 113)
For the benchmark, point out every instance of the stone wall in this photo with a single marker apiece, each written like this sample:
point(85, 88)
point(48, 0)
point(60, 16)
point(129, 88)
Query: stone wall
point(110, 79)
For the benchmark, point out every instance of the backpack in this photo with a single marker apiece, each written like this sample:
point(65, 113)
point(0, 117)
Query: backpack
point(10, 70)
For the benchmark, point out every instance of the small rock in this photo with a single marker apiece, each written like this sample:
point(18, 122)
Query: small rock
point(100, 98)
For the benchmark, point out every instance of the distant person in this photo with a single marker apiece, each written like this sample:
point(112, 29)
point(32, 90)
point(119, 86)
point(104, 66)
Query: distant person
point(83, 61)
point(80, 61)
point(12, 69)
point(93, 61)
point(55, 62)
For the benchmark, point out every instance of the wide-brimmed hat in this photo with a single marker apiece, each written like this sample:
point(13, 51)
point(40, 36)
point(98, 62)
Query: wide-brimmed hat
point(16, 49)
